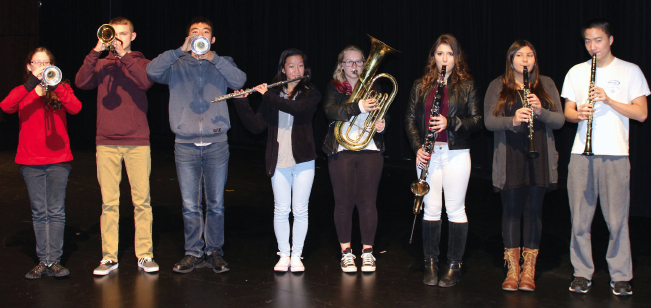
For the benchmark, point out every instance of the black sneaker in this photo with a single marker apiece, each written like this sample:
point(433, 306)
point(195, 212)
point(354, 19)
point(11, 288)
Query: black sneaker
point(621, 288)
point(38, 271)
point(189, 263)
point(216, 262)
point(580, 285)
point(57, 270)
point(348, 261)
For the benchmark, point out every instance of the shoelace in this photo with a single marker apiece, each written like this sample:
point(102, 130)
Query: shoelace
point(348, 259)
point(104, 262)
point(143, 260)
point(529, 265)
point(367, 258)
point(511, 263)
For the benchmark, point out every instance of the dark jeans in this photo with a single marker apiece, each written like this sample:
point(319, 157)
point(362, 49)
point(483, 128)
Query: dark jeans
point(46, 186)
point(522, 203)
point(355, 177)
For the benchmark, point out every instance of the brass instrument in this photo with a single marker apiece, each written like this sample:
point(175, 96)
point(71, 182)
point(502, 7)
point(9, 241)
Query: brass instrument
point(231, 95)
point(588, 132)
point(51, 76)
point(106, 34)
point(525, 103)
point(364, 90)
point(420, 188)
point(200, 45)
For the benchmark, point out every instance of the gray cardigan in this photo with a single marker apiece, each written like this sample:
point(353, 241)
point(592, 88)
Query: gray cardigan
point(499, 124)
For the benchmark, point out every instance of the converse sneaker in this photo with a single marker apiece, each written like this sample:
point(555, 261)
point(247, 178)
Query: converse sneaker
point(621, 288)
point(283, 264)
point(148, 264)
point(38, 271)
point(216, 262)
point(580, 285)
point(57, 270)
point(348, 261)
point(297, 265)
point(105, 267)
point(189, 263)
point(368, 260)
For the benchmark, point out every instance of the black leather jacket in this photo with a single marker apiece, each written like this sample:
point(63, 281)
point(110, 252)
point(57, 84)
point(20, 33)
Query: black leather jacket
point(465, 115)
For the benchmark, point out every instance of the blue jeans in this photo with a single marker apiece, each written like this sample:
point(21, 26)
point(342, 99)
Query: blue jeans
point(292, 187)
point(46, 186)
point(204, 167)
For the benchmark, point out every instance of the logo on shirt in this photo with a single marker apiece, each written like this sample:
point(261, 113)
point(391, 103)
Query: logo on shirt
point(613, 86)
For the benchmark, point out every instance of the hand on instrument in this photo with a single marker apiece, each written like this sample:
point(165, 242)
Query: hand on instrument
point(119, 50)
point(369, 105)
point(584, 111)
point(438, 123)
point(240, 96)
point(521, 115)
point(422, 157)
point(534, 101)
point(262, 89)
point(598, 94)
point(38, 72)
point(379, 125)
point(100, 46)
point(186, 44)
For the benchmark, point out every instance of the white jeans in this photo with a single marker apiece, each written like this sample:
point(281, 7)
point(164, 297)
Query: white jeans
point(449, 171)
point(292, 187)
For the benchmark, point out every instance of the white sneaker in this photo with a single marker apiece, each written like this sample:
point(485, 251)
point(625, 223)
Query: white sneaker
point(105, 267)
point(283, 264)
point(297, 265)
point(148, 264)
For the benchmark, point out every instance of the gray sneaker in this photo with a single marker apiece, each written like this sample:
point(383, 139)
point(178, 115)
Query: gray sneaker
point(148, 264)
point(105, 267)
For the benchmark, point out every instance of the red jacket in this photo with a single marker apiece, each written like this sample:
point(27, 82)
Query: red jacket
point(121, 96)
point(43, 136)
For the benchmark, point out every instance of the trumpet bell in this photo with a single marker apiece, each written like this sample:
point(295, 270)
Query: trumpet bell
point(200, 45)
point(106, 33)
point(51, 76)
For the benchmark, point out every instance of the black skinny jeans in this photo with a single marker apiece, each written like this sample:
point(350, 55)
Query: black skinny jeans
point(355, 177)
point(522, 203)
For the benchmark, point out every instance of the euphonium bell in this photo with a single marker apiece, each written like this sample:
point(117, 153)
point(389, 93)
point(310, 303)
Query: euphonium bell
point(364, 90)
point(51, 76)
point(106, 34)
point(200, 45)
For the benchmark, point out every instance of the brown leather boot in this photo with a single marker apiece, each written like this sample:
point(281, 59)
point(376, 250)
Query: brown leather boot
point(512, 259)
point(528, 269)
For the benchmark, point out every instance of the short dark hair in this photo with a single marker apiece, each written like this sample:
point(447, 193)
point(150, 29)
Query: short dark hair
point(199, 20)
point(598, 23)
point(121, 21)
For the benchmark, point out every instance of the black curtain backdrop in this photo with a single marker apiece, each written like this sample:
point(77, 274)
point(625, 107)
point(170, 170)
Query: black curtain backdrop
point(254, 33)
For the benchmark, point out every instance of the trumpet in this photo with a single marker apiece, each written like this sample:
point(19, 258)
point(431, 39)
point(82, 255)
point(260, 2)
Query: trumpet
point(229, 96)
point(106, 34)
point(51, 76)
point(587, 151)
point(532, 147)
point(200, 45)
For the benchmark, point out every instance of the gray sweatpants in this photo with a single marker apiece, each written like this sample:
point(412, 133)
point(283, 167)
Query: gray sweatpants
point(606, 177)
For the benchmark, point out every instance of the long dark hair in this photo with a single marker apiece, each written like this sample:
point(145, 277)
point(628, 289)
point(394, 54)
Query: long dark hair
point(460, 71)
point(50, 99)
point(510, 88)
point(304, 84)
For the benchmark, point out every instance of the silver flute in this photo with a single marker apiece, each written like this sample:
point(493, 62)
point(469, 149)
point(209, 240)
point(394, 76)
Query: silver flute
point(229, 96)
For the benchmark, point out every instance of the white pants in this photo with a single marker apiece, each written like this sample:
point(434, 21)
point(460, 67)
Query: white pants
point(449, 171)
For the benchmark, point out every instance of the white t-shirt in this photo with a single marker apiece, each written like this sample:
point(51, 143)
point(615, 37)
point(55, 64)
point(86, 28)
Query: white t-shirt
point(623, 81)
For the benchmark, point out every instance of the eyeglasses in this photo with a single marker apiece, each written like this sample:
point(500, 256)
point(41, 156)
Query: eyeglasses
point(349, 63)
point(39, 63)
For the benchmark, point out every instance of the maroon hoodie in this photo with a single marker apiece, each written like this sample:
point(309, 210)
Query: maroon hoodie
point(121, 100)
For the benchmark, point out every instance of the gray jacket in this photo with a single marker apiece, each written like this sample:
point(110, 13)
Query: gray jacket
point(193, 84)
point(552, 120)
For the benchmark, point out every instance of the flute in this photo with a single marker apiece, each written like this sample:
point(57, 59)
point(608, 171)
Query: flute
point(229, 96)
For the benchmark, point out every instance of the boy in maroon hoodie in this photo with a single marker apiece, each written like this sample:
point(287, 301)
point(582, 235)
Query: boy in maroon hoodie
point(122, 134)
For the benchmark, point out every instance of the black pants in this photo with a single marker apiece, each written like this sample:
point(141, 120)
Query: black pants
point(523, 203)
point(355, 178)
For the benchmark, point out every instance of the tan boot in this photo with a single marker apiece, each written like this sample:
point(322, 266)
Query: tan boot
point(528, 269)
point(512, 259)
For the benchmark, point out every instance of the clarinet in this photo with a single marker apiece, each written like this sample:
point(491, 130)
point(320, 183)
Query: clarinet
point(532, 147)
point(588, 132)
point(420, 188)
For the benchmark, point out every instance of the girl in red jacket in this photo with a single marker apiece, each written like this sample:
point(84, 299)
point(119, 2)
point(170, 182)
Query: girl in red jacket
point(44, 156)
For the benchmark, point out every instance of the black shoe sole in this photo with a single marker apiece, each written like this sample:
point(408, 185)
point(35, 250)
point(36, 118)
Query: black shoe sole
point(185, 271)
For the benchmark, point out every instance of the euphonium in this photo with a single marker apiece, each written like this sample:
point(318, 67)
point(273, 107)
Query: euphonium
point(106, 34)
point(51, 76)
point(588, 132)
point(364, 90)
point(525, 103)
point(200, 45)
